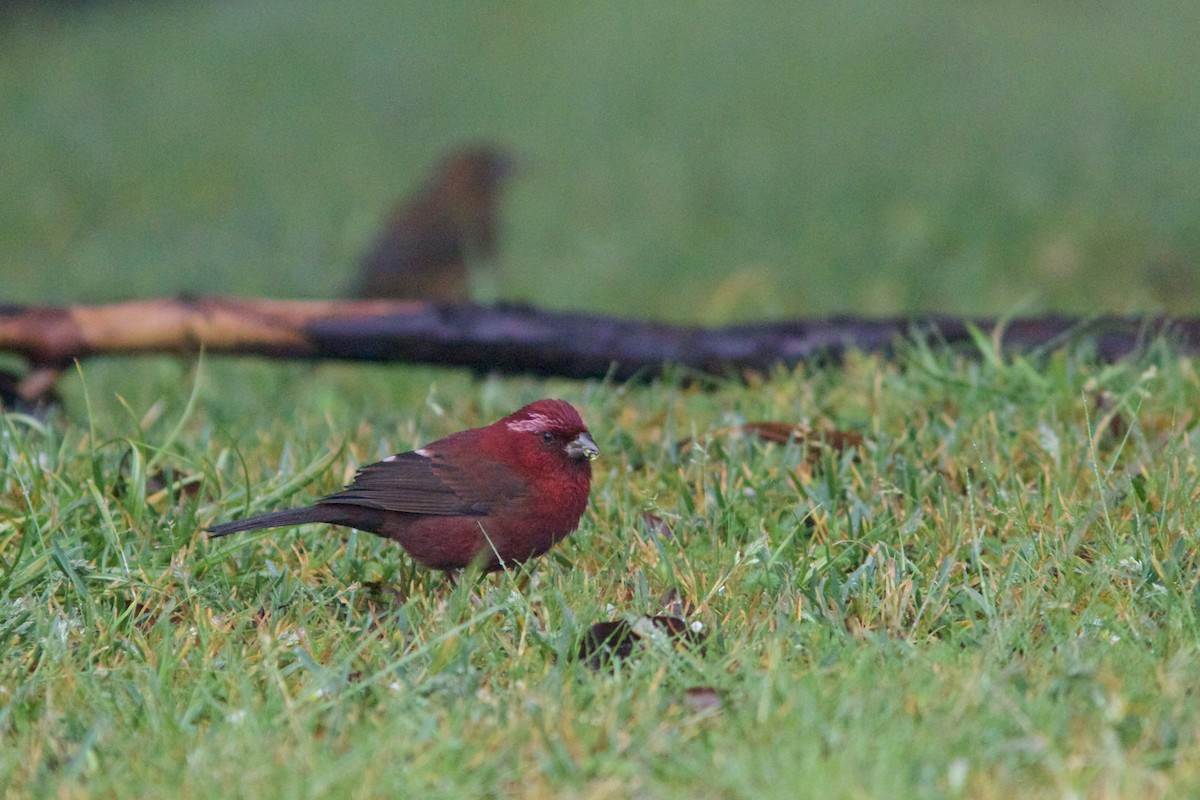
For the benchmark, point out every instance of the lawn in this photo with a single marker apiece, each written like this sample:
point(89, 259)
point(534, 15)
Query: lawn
point(995, 594)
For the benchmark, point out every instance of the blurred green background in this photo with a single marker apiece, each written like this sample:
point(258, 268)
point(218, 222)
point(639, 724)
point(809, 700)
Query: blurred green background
point(700, 161)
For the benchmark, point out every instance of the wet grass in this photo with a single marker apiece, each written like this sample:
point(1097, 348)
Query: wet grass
point(994, 596)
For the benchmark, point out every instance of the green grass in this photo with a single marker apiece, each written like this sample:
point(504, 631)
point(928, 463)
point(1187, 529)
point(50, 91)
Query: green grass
point(995, 597)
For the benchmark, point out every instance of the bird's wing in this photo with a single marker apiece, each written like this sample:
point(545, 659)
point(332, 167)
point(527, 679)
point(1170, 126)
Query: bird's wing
point(417, 484)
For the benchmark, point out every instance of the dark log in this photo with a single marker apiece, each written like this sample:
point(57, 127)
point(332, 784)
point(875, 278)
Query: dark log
point(520, 339)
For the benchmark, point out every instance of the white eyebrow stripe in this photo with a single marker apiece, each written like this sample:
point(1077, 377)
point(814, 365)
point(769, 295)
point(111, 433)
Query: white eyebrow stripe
point(422, 452)
point(535, 423)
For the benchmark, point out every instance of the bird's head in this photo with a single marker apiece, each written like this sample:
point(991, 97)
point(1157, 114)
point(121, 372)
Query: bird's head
point(551, 430)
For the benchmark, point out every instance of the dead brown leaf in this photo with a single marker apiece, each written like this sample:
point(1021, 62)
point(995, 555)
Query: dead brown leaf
point(618, 639)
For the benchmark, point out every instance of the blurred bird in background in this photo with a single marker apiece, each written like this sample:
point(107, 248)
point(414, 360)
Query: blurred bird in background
point(423, 251)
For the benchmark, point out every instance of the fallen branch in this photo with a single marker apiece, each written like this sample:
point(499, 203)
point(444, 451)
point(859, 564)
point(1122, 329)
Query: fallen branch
point(517, 339)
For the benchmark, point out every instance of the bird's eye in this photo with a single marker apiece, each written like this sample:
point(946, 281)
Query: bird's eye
point(547, 437)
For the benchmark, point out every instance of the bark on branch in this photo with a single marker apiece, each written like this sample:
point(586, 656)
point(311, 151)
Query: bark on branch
point(517, 339)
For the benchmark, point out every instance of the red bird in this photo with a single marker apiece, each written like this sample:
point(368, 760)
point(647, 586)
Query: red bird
point(492, 496)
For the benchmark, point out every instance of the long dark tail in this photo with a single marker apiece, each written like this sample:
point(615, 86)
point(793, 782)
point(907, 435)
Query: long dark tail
point(276, 519)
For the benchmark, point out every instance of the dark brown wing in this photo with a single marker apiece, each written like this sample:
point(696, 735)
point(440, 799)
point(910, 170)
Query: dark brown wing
point(417, 484)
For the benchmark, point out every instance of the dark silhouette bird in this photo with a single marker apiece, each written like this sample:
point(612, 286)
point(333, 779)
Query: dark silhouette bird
point(423, 251)
point(493, 496)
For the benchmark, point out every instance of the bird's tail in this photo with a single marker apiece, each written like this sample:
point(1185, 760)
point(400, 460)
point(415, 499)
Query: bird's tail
point(276, 519)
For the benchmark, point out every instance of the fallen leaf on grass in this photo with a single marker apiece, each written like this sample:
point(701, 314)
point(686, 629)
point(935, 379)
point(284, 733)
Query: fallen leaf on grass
point(657, 526)
point(671, 602)
point(172, 483)
point(606, 641)
point(815, 441)
point(703, 699)
point(1105, 405)
point(161, 484)
point(783, 432)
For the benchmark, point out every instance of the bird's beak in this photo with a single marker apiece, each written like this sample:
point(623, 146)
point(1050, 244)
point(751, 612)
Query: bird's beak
point(582, 446)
